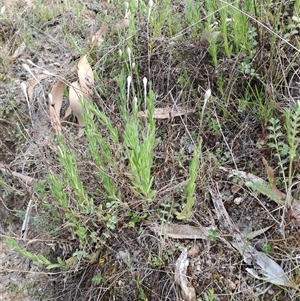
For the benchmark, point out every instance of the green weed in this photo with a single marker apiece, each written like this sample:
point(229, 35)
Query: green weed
point(189, 190)
point(285, 143)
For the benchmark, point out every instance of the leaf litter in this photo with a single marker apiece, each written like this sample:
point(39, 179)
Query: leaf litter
point(80, 90)
point(262, 264)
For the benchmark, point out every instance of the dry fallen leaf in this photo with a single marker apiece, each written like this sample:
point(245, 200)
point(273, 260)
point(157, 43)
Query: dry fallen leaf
point(54, 119)
point(188, 292)
point(99, 36)
point(86, 78)
point(74, 95)
point(271, 271)
point(57, 93)
point(81, 89)
point(165, 113)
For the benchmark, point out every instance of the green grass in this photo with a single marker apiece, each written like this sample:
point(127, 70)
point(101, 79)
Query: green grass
point(121, 174)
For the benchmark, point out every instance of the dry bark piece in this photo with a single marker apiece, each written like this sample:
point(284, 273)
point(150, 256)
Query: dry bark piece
point(188, 292)
point(181, 231)
point(165, 113)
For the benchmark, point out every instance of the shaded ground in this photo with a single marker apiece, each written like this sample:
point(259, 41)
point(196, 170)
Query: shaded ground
point(136, 263)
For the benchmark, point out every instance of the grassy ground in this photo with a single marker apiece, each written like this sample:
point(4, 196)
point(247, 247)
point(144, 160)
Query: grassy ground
point(185, 117)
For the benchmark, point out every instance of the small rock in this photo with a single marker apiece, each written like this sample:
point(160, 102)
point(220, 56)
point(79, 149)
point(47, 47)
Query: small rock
point(231, 285)
point(238, 200)
point(194, 251)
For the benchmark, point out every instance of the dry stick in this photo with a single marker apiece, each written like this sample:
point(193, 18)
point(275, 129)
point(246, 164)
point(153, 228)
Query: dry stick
point(26, 221)
point(24, 89)
point(224, 138)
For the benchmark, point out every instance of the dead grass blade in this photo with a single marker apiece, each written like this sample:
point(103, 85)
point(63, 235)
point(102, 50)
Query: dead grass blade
point(253, 234)
point(188, 292)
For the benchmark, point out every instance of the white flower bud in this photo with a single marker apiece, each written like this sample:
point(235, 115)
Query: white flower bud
point(51, 102)
point(207, 95)
point(145, 81)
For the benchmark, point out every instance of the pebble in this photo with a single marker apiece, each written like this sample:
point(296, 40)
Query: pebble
point(231, 285)
point(194, 251)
